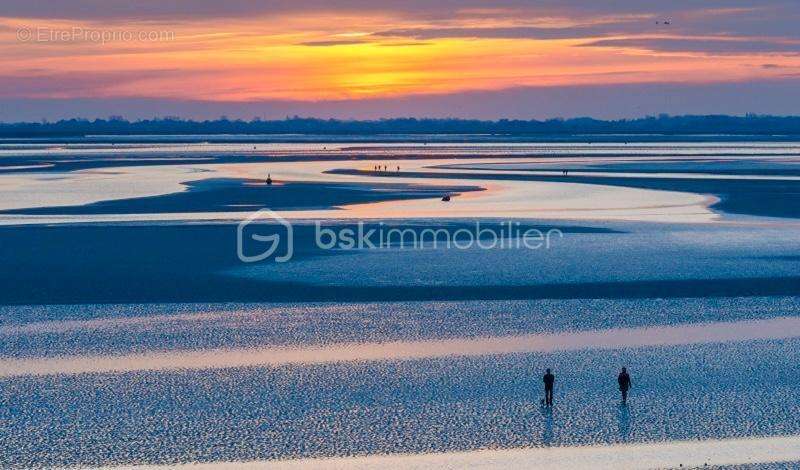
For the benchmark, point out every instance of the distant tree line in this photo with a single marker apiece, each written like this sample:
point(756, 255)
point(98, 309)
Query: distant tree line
point(664, 125)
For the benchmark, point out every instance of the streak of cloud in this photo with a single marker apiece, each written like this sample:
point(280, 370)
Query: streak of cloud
point(705, 45)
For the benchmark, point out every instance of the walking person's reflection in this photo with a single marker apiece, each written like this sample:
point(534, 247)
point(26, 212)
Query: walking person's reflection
point(623, 422)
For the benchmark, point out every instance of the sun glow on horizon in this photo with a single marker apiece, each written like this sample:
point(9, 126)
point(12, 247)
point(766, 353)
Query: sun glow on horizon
point(349, 56)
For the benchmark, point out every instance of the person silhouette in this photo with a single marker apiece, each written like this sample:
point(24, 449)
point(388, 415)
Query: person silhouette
point(624, 381)
point(549, 380)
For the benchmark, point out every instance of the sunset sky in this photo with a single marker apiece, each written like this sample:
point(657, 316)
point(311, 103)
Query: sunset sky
point(357, 59)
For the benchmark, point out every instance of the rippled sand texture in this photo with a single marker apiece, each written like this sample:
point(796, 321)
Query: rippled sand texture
point(137, 338)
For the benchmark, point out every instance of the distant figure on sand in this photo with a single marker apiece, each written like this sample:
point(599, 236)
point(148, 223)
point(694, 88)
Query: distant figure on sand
point(549, 380)
point(398, 169)
point(624, 381)
point(269, 179)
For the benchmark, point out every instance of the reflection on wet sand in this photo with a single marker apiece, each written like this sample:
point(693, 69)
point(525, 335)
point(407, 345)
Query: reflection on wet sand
point(670, 454)
point(777, 328)
point(517, 199)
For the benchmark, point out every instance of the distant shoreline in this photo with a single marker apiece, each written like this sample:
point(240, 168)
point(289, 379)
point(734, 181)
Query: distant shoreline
point(399, 138)
point(659, 128)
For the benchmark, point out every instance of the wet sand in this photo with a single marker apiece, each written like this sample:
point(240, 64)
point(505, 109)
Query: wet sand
point(219, 195)
point(672, 454)
point(760, 196)
point(685, 293)
point(771, 329)
point(355, 193)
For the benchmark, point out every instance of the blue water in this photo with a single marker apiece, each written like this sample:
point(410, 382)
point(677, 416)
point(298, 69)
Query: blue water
point(116, 288)
point(185, 327)
point(745, 389)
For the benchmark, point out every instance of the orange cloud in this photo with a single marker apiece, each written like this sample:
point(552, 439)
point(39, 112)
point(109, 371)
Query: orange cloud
point(345, 55)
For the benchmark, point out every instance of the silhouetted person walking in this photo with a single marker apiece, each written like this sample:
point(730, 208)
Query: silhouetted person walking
point(549, 379)
point(624, 381)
